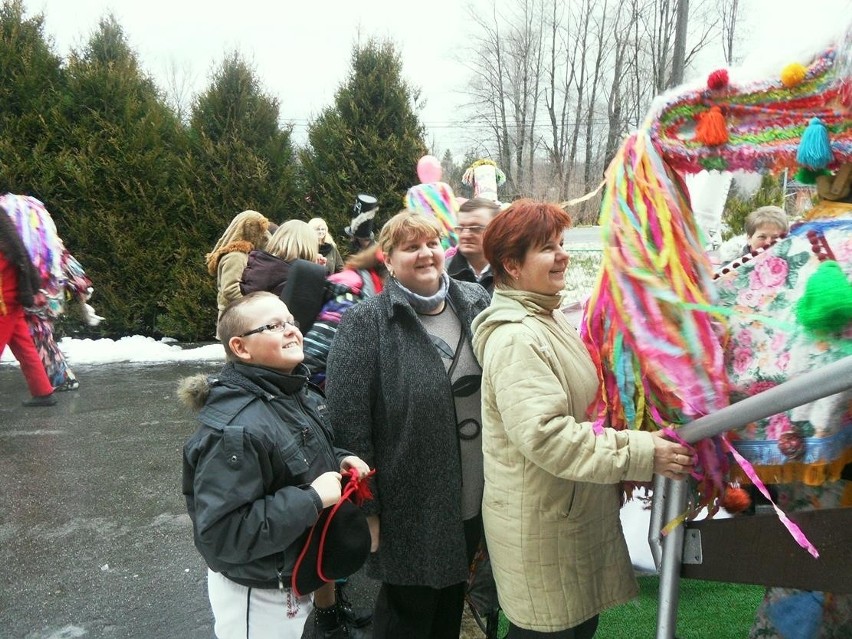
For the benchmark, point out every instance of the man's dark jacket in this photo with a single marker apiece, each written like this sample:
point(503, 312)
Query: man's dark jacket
point(459, 269)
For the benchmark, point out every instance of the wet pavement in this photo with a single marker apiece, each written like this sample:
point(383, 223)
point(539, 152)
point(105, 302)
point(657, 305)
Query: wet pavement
point(94, 536)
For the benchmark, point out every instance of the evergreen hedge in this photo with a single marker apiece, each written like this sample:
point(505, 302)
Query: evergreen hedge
point(140, 197)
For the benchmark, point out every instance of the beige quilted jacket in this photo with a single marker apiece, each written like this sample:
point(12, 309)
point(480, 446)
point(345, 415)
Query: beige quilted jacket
point(551, 500)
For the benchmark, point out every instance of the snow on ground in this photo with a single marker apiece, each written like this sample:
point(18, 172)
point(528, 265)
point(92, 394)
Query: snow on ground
point(135, 349)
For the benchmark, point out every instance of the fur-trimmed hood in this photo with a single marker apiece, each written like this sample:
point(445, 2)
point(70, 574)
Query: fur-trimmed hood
point(194, 391)
point(237, 246)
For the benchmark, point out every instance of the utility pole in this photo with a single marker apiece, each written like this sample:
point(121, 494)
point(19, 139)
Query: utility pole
point(679, 54)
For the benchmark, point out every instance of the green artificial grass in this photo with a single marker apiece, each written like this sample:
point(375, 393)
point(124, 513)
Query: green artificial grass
point(706, 609)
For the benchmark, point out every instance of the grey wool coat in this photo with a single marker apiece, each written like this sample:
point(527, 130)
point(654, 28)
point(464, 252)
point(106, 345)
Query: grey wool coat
point(390, 402)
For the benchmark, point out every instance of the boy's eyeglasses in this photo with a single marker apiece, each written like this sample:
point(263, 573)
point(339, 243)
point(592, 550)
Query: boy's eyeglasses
point(276, 327)
point(476, 230)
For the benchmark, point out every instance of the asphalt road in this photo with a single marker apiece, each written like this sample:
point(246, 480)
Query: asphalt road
point(94, 536)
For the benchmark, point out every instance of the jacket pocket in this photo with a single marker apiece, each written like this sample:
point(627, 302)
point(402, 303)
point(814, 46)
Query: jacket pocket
point(294, 459)
point(560, 503)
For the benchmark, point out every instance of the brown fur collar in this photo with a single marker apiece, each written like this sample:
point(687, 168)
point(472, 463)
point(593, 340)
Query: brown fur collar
point(239, 246)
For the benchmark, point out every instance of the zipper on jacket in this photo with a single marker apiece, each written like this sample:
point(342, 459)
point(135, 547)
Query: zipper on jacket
point(326, 446)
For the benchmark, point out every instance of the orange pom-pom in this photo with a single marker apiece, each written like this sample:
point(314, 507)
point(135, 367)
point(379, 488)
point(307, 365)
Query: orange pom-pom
point(711, 129)
point(718, 79)
point(736, 500)
point(793, 74)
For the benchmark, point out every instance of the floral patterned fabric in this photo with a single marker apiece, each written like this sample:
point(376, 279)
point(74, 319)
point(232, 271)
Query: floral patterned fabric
point(767, 347)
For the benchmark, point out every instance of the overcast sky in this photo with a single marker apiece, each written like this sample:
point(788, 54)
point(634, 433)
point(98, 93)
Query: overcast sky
point(301, 49)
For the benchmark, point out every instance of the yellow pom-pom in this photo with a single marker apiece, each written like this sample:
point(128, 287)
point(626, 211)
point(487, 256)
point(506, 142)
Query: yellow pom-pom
point(793, 74)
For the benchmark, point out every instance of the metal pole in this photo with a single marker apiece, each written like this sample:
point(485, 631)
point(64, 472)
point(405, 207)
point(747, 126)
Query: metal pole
point(658, 505)
point(828, 380)
point(672, 552)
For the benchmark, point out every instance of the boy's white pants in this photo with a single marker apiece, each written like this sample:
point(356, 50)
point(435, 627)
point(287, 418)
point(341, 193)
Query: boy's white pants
point(255, 613)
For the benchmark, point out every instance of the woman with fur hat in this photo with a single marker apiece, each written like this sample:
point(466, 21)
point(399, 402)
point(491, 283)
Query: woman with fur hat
point(248, 230)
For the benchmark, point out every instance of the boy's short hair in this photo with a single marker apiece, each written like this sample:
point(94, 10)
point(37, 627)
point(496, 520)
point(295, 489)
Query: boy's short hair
point(236, 319)
point(773, 215)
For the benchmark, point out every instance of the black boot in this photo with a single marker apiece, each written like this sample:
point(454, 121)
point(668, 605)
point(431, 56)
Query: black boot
point(354, 617)
point(329, 624)
point(40, 400)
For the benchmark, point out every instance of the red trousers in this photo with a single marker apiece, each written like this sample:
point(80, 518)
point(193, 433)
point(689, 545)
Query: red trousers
point(14, 332)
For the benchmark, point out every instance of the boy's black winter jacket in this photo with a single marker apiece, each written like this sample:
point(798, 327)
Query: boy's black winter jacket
point(263, 439)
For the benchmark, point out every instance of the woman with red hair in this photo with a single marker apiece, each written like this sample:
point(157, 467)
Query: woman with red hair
point(551, 500)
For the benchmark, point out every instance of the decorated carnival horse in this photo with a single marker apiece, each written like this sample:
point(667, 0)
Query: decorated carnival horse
point(673, 341)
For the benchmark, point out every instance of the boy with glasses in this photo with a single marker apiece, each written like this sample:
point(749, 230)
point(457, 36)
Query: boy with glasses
point(257, 474)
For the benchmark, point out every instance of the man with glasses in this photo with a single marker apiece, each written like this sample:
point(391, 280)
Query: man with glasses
point(469, 263)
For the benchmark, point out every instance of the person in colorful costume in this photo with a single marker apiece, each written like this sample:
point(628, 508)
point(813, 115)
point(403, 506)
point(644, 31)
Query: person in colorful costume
point(483, 176)
point(360, 229)
point(61, 278)
point(19, 282)
point(671, 345)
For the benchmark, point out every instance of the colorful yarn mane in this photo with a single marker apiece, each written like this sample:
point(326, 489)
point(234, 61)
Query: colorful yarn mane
point(658, 362)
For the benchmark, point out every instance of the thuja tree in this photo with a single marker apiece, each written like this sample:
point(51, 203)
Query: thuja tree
point(368, 141)
point(240, 152)
point(30, 89)
point(115, 192)
point(239, 158)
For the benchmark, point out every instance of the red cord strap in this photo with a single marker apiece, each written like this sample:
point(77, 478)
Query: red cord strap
point(356, 490)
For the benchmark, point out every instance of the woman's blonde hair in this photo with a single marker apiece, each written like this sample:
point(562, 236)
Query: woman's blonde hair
point(404, 226)
point(249, 226)
point(294, 240)
point(314, 224)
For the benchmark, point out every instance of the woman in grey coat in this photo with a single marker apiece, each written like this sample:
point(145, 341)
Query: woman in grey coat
point(403, 393)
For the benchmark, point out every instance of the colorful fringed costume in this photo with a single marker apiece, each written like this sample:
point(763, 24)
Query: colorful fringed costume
point(483, 176)
point(672, 345)
point(437, 201)
point(61, 275)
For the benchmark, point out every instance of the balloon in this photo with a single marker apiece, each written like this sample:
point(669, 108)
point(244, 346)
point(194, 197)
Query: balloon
point(429, 169)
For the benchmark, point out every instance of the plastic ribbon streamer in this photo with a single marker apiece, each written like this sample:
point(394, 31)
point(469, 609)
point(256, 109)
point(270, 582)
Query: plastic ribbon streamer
point(790, 525)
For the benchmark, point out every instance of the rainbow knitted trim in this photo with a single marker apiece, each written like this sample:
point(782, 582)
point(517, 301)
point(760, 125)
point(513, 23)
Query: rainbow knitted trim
point(765, 121)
